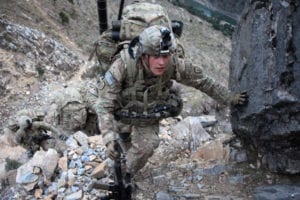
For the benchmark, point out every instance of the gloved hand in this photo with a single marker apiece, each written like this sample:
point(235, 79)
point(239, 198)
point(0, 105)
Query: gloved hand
point(111, 150)
point(239, 99)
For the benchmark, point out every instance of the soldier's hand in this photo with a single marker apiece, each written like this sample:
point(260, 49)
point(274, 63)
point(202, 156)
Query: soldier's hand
point(239, 99)
point(111, 151)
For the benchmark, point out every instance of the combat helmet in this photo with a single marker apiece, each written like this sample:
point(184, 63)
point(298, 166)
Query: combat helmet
point(154, 40)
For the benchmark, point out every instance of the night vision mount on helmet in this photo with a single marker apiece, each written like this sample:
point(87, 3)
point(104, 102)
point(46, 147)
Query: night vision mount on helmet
point(155, 40)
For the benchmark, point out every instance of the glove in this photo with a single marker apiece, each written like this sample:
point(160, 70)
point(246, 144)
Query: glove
point(111, 151)
point(239, 99)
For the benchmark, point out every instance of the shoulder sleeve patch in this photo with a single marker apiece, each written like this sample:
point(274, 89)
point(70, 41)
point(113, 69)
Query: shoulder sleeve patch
point(117, 70)
point(110, 79)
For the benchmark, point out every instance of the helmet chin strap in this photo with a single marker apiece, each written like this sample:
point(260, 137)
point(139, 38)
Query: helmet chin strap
point(145, 63)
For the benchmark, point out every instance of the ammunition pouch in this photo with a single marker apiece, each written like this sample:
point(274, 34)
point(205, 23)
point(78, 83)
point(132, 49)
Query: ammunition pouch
point(170, 108)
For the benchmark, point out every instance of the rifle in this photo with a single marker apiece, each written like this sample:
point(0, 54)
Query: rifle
point(102, 15)
point(117, 189)
point(121, 9)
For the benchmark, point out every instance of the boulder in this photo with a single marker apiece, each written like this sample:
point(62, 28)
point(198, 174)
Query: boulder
point(265, 63)
point(45, 161)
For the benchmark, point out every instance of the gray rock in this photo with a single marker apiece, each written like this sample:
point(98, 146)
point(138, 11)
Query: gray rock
point(207, 120)
point(160, 180)
point(28, 178)
point(81, 138)
point(216, 197)
point(176, 189)
point(85, 158)
point(200, 186)
point(79, 163)
point(74, 196)
point(71, 142)
point(264, 63)
point(72, 164)
point(238, 156)
point(241, 156)
point(15, 192)
point(238, 179)
point(190, 196)
point(215, 170)
point(80, 171)
point(162, 195)
point(47, 161)
point(74, 188)
point(191, 131)
point(277, 192)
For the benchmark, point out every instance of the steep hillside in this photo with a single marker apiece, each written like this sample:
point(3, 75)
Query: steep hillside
point(74, 24)
point(45, 45)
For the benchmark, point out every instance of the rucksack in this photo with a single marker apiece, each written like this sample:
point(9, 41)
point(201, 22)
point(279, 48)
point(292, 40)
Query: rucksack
point(67, 109)
point(135, 18)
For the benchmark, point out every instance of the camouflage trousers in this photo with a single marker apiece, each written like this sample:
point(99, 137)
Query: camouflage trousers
point(140, 146)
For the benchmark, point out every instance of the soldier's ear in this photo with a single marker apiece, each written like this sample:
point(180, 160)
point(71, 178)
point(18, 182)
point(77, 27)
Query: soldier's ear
point(145, 59)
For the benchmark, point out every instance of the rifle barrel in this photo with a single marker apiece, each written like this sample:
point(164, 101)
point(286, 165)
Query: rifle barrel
point(102, 15)
point(121, 9)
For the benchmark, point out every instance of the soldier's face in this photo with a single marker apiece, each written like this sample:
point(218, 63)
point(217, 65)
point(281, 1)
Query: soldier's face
point(158, 64)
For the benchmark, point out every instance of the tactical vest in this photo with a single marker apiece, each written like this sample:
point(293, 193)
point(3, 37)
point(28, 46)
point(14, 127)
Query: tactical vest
point(145, 98)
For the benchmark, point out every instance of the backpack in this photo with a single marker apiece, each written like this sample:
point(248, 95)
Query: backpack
point(135, 18)
point(67, 109)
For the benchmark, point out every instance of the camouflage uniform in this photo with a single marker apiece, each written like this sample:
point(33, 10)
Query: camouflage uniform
point(30, 131)
point(67, 109)
point(144, 135)
point(68, 112)
point(71, 108)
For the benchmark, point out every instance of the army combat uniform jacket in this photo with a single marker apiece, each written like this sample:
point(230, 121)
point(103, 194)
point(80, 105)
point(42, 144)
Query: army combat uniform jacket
point(136, 90)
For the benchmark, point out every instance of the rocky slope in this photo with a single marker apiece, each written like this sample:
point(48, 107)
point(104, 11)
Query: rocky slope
point(44, 17)
point(40, 52)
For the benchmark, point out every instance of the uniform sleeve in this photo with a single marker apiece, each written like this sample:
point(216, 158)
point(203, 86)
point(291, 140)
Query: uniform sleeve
point(109, 87)
point(193, 76)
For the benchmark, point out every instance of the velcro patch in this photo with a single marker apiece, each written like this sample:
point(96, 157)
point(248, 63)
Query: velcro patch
point(110, 79)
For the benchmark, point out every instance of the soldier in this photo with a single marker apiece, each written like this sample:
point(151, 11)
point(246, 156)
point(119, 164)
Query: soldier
point(30, 131)
point(67, 109)
point(67, 112)
point(135, 94)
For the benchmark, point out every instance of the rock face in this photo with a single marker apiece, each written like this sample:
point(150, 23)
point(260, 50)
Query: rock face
point(265, 63)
